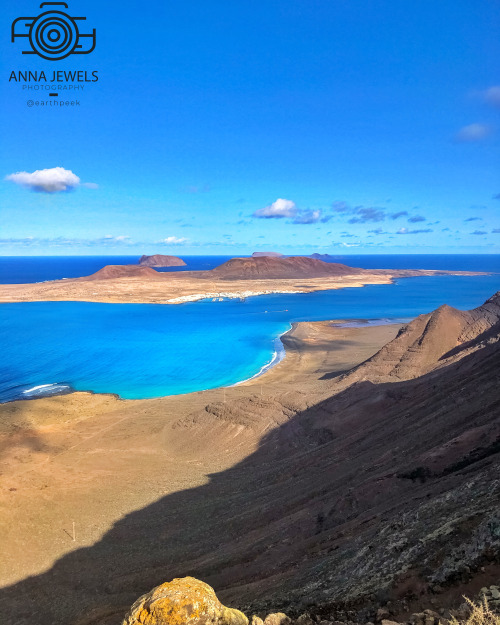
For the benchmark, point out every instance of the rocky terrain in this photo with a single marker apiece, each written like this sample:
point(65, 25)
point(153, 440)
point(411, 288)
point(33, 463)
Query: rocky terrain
point(189, 601)
point(161, 260)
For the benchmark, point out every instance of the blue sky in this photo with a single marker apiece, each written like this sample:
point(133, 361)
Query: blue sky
point(219, 127)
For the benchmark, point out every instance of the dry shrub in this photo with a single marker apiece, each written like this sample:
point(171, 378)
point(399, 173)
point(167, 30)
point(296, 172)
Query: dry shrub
point(480, 614)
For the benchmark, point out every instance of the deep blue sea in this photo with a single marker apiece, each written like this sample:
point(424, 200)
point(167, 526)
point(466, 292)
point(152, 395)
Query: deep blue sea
point(143, 350)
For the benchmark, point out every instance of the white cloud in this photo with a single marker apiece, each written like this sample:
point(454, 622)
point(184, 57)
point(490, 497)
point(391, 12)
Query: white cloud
point(492, 95)
point(109, 238)
point(307, 217)
point(277, 210)
point(197, 189)
point(52, 180)
point(106, 240)
point(406, 231)
point(173, 241)
point(473, 132)
point(362, 214)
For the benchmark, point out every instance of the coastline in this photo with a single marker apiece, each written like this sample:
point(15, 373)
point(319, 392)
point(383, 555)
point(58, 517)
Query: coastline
point(279, 355)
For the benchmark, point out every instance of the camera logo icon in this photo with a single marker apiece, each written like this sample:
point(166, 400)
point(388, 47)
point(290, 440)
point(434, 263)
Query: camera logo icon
point(53, 34)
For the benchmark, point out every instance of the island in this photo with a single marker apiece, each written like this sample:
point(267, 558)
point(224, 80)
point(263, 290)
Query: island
point(236, 278)
point(322, 256)
point(160, 260)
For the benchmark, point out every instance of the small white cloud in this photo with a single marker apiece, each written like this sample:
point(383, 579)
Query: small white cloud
point(406, 231)
point(173, 241)
point(277, 210)
point(473, 132)
point(106, 240)
point(197, 189)
point(121, 238)
point(492, 95)
point(54, 180)
point(112, 239)
point(307, 217)
point(90, 185)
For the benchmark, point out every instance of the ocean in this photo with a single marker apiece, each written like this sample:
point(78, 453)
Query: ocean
point(142, 350)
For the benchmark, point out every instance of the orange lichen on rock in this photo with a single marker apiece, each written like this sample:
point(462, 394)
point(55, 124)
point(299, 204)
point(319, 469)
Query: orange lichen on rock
point(183, 601)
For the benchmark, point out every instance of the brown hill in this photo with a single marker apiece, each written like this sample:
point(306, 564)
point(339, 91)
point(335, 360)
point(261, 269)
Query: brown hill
point(110, 272)
point(160, 260)
point(431, 341)
point(266, 267)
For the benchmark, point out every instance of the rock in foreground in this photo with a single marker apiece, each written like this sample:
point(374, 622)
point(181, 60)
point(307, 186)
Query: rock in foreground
point(183, 601)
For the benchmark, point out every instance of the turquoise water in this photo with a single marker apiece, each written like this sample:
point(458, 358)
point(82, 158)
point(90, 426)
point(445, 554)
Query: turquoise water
point(141, 350)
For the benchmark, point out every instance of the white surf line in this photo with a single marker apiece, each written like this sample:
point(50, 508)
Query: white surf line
point(279, 354)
